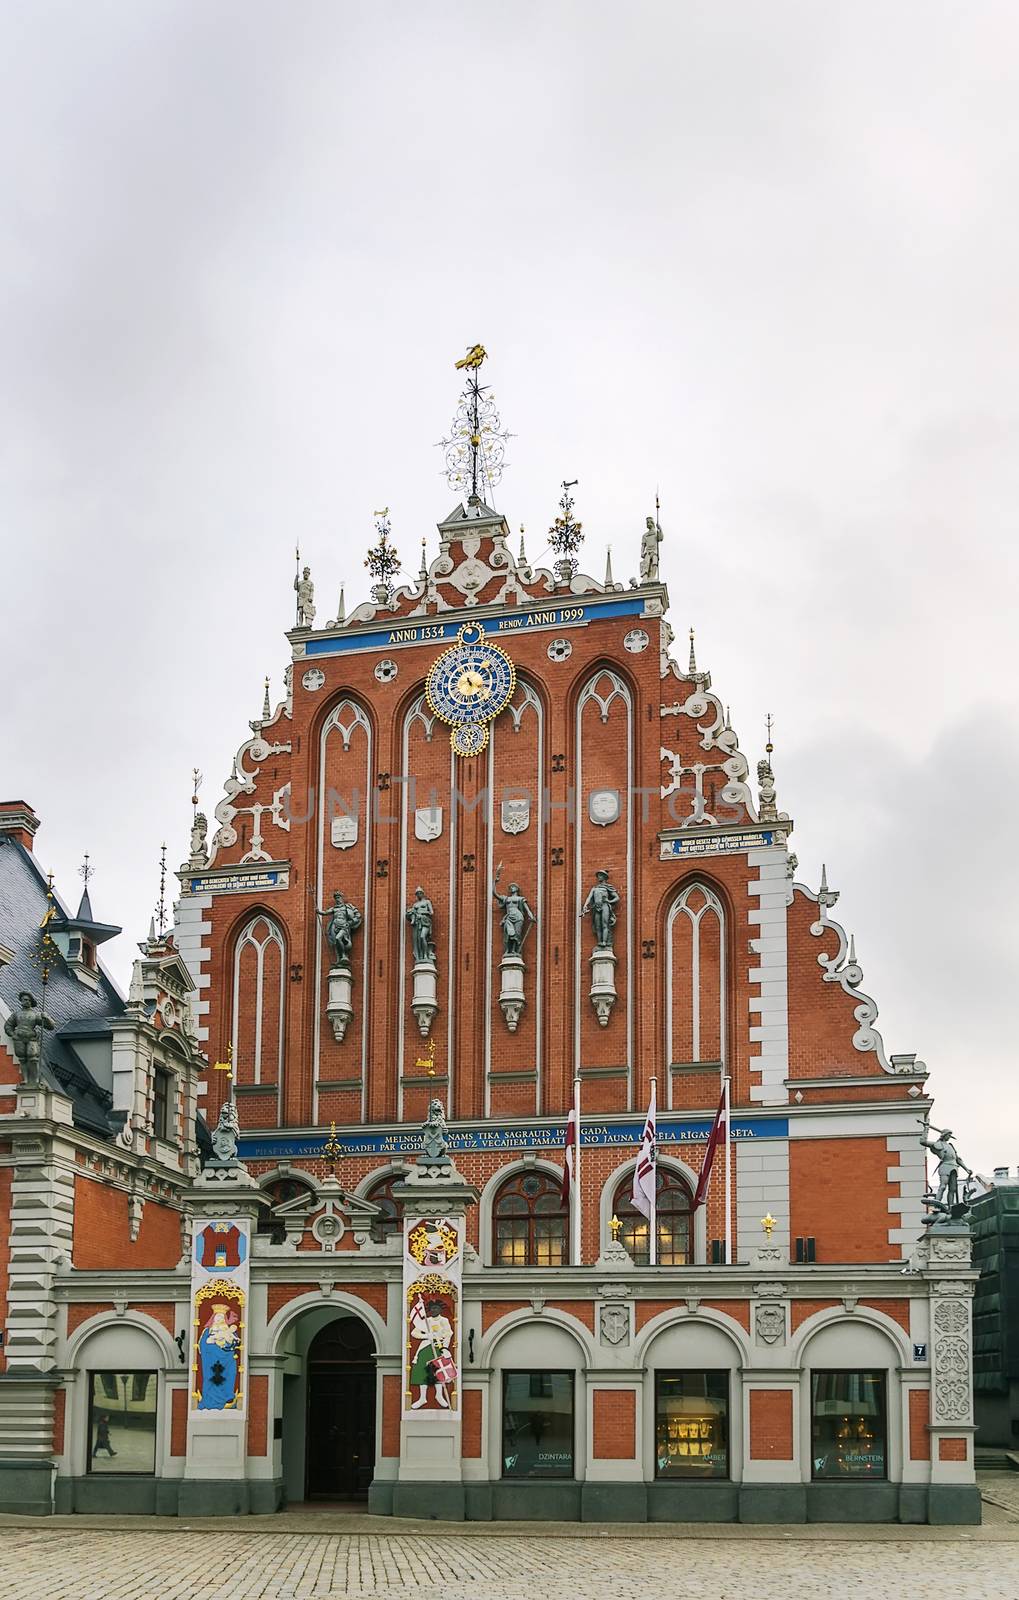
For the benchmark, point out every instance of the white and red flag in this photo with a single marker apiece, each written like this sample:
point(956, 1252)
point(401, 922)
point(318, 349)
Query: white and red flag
point(645, 1177)
point(719, 1130)
point(571, 1173)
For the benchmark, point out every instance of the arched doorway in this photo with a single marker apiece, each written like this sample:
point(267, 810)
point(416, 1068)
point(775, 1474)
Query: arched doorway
point(340, 1430)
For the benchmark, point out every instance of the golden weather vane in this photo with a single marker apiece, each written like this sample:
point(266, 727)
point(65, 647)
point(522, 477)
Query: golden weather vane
point(428, 1061)
point(226, 1066)
point(473, 359)
point(476, 447)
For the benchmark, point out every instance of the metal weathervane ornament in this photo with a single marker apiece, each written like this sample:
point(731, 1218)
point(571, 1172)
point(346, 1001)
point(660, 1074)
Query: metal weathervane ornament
point(476, 447)
point(382, 561)
point(468, 686)
point(566, 536)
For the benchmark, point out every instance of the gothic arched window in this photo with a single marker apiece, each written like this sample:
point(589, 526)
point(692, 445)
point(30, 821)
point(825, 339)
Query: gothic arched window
point(530, 1222)
point(674, 1217)
point(390, 1219)
point(696, 992)
point(258, 1001)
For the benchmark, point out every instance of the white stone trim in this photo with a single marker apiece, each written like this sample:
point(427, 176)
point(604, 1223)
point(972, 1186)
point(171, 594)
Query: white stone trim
point(771, 1004)
point(762, 1188)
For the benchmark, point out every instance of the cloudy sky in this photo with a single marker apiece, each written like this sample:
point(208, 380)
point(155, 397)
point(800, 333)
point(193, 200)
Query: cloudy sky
point(761, 255)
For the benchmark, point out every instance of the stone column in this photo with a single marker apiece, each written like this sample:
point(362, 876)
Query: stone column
point(217, 1479)
point(429, 1482)
point(42, 1215)
point(953, 1496)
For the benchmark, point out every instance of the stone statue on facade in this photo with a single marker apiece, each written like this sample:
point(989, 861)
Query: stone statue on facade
point(435, 1134)
point(342, 922)
point(946, 1201)
point(199, 853)
point(649, 543)
point(516, 919)
point(601, 903)
point(24, 1028)
point(226, 1134)
point(305, 599)
point(420, 914)
point(768, 810)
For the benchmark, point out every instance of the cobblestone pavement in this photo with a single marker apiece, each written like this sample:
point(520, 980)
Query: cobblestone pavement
point(62, 1563)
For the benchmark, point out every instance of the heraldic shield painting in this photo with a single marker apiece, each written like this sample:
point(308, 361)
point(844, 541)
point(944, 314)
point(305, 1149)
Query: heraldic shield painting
point(432, 1270)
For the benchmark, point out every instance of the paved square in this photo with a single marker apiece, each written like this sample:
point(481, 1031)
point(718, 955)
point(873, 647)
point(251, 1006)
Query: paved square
point(59, 1562)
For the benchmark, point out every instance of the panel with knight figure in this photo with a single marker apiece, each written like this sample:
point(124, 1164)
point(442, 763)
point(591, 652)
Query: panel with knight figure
point(432, 1270)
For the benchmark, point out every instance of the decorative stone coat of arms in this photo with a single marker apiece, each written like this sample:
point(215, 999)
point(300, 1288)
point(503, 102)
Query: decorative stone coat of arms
point(516, 815)
point(427, 822)
point(614, 1324)
point(770, 1324)
point(343, 832)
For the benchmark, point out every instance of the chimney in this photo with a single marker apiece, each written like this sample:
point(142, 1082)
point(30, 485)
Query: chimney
point(18, 821)
point(1001, 1172)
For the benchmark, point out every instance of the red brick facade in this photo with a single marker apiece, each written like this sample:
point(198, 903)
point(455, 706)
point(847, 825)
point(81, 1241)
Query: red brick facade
point(615, 1424)
point(771, 1424)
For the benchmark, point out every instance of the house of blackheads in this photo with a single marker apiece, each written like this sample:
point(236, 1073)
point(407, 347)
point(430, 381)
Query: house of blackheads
point(305, 1217)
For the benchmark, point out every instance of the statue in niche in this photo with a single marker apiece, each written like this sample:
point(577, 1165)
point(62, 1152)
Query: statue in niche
point(516, 919)
point(601, 902)
point(435, 1134)
point(649, 543)
point(24, 1028)
point(343, 921)
point(420, 914)
point(305, 599)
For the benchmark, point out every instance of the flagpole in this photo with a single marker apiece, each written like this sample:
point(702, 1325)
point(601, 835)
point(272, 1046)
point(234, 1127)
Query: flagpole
point(726, 1091)
point(653, 1219)
point(577, 1229)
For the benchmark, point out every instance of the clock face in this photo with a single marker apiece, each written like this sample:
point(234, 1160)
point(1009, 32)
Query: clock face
point(468, 686)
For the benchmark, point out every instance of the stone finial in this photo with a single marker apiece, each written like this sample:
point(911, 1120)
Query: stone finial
point(609, 583)
point(266, 707)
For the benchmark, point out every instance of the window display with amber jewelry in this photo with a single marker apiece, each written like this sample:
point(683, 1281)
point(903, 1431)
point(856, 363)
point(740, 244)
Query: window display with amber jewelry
point(122, 1422)
point(675, 1223)
point(537, 1424)
point(692, 1424)
point(847, 1424)
point(530, 1222)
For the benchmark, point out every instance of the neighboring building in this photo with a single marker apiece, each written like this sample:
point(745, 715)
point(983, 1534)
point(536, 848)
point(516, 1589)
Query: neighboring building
point(995, 1231)
point(824, 1372)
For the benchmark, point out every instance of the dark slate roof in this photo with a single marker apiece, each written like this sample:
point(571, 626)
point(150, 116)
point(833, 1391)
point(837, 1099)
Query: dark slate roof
point(75, 1008)
point(79, 1012)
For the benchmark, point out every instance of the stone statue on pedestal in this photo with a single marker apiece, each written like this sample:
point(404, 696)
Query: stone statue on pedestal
point(946, 1201)
point(343, 921)
point(24, 1028)
point(649, 543)
point(435, 1134)
point(601, 902)
point(420, 914)
point(199, 854)
point(305, 599)
point(226, 1133)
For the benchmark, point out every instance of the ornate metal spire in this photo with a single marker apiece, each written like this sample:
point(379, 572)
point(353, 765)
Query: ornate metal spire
point(768, 804)
point(693, 659)
point(565, 535)
point(161, 902)
point(476, 447)
point(266, 707)
point(382, 561)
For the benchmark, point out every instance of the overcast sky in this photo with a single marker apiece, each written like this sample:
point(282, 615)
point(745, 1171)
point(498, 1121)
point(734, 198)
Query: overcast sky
point(763, 256)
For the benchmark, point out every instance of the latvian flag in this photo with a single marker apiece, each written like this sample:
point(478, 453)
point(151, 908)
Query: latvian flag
point(644, 1176)
point(719, 1130)
point(569, 1151)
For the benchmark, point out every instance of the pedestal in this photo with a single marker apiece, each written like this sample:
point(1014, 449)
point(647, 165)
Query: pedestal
point(340, 1006)
point(603, 982)
point(511, 990)
point(425, 1002)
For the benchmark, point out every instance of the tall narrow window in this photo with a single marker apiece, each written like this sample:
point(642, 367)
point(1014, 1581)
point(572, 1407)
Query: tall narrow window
point(675, 1223)
point(161, 1086)
point(259, 970)
point(530, 1222)
point(122, 1422)
point(695, 999)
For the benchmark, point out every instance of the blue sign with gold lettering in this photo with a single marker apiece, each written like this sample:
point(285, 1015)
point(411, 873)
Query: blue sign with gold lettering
point(505, 622)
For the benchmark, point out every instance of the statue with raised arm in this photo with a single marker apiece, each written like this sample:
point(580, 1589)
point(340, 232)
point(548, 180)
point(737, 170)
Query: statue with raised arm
point(516, 919)
point(24, 1028)
point(342, 922)
point(601, 903)
point(946, 1198)
point(652, 538)
point(420, 914)
point(305, 599)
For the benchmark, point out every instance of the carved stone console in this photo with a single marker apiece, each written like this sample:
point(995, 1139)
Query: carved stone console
point(511, 990)
point(340, 1006)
